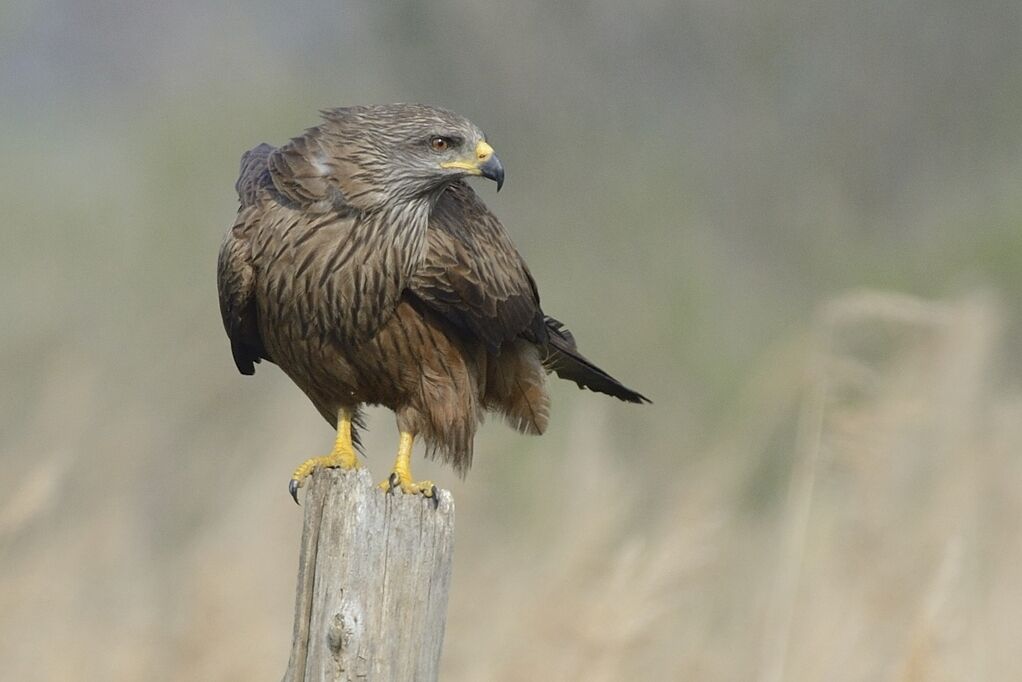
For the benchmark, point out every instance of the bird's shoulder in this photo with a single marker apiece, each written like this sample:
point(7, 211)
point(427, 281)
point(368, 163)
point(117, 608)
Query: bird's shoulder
point(254, 176)
point(286, 207)
point(300, 175)
point(313, 258)
point(473, 274)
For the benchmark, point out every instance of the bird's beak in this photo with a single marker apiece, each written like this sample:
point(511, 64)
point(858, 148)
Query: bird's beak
point(484, 162)
point(489, 165)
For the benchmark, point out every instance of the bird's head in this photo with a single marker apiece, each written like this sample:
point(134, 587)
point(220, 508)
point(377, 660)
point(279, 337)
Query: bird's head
point(394, 152)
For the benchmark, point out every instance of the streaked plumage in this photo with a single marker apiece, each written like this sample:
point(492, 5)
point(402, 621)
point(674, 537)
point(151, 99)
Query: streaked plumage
point(364, 266)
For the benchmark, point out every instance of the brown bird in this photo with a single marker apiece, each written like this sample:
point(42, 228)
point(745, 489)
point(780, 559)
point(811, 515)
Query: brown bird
point(364, 266)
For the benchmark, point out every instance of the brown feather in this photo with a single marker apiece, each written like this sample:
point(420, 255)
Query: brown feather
point(516, 387)
point(365, 290)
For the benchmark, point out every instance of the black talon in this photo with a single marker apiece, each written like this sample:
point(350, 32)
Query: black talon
point(293, 489)
point(435, 495)
point(394, 482)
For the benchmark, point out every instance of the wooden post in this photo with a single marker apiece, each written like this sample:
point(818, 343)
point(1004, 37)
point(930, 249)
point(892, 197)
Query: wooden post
point(373, 577)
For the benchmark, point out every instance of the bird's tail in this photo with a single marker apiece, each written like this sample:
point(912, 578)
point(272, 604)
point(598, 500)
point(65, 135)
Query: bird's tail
point(564, 359)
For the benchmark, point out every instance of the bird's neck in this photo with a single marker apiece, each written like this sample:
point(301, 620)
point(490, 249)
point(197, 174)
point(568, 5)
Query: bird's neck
point(410, 213)
point(401, 228)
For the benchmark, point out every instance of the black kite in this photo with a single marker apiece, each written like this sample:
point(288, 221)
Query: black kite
point(364, 266)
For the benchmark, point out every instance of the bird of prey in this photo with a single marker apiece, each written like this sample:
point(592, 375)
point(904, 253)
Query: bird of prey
point(365, 267)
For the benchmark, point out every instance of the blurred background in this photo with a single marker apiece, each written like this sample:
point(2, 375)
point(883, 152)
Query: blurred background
point(796, 225)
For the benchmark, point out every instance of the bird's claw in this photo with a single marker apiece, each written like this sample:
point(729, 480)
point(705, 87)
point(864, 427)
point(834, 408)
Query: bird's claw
point(388, 484)
point(425, 488)
point(341, 458)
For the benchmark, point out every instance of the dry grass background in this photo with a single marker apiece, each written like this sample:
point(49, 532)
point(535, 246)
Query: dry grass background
point(828, 484)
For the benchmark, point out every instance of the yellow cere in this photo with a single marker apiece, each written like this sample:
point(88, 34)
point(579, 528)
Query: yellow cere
point(483, 151)
point(482, 155)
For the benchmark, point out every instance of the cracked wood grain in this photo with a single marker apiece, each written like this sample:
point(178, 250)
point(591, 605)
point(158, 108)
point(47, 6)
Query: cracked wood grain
point(373, 576)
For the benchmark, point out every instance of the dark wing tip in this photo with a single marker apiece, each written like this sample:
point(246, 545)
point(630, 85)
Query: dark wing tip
point(568, 363)
point(246, 368)
point(244, 358)
point(637, 398)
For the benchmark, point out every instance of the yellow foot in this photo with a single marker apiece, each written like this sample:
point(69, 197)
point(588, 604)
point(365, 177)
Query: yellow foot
point(407, 485)
point(342, 457)
point(402, 475)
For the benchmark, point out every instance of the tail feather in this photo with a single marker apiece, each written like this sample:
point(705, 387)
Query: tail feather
point(515, 386)
point(564, 359)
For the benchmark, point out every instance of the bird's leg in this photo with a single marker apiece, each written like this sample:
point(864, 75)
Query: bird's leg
point(343, 455)
point(402, 474)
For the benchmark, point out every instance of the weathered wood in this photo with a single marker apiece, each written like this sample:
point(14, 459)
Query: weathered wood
point(373, 576)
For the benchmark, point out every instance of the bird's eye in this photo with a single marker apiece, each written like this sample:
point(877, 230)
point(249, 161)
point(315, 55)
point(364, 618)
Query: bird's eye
point(439, 144)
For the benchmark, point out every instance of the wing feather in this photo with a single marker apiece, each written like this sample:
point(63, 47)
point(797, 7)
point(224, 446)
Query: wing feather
point(474, 276)
point(236, 285)
point(325, 263)
point(235, 273)
point(564, 358)
point(301, 172)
